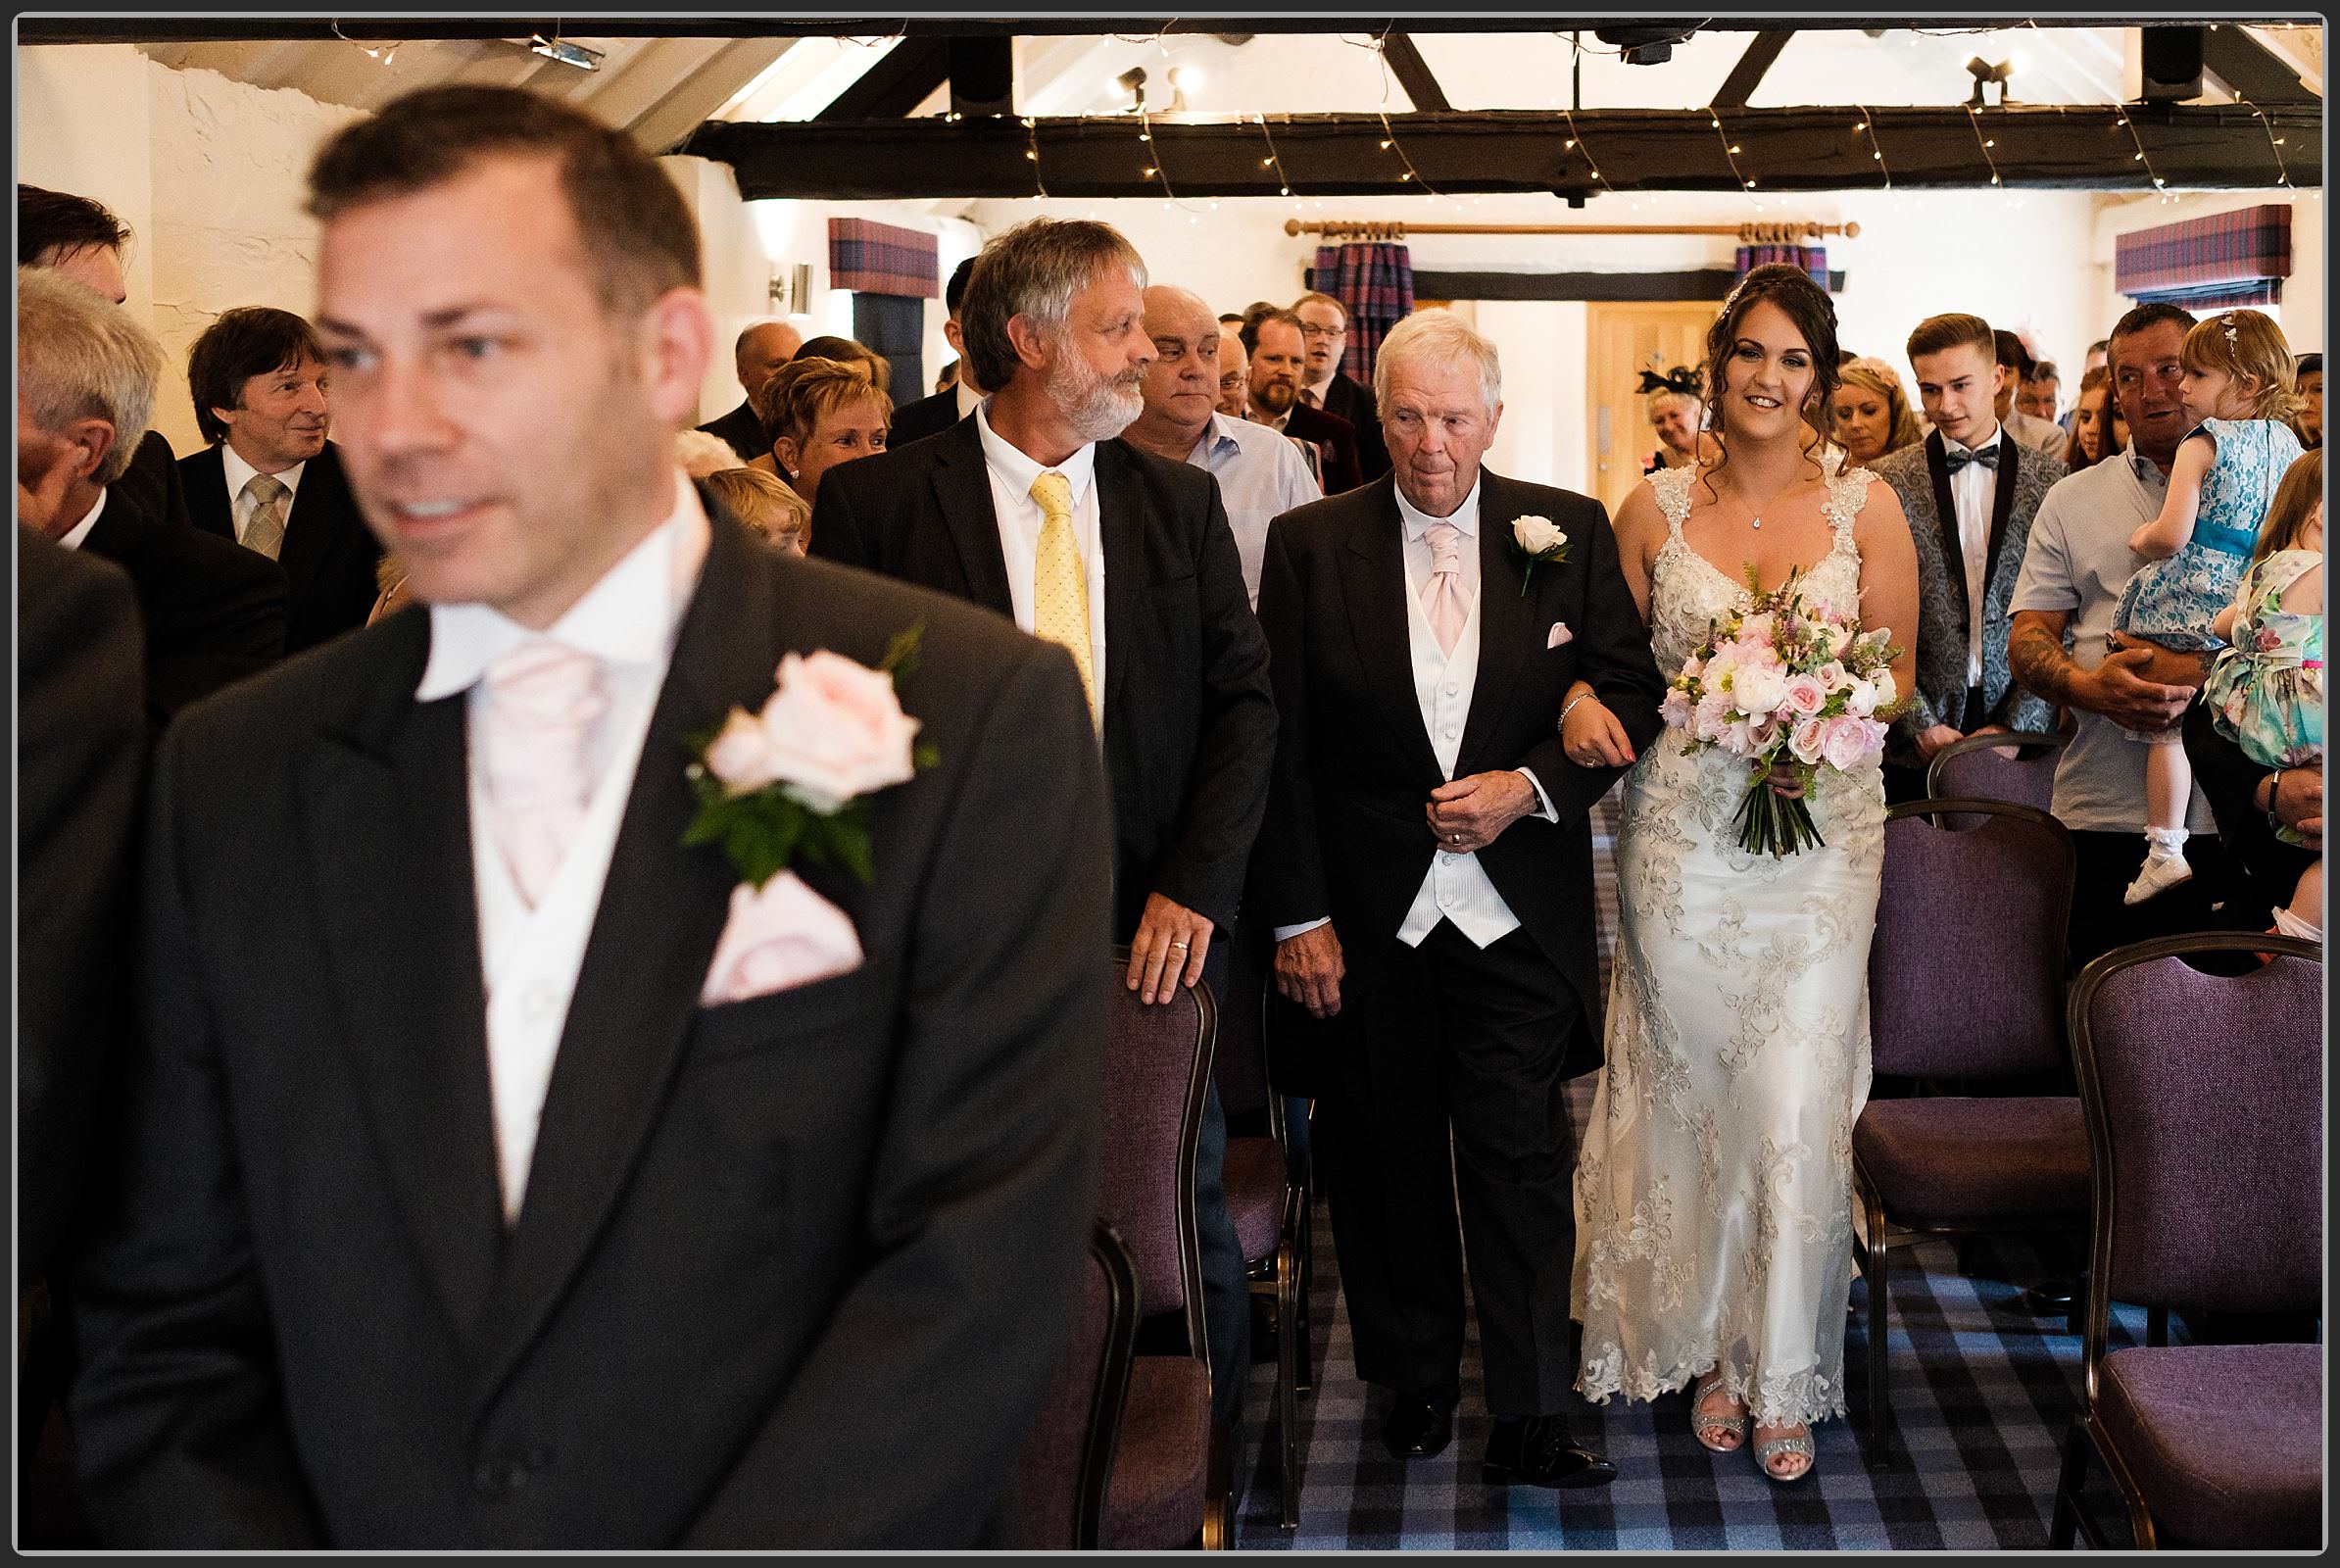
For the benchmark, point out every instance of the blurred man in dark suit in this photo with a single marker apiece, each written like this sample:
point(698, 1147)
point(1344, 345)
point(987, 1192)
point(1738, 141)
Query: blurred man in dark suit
point(931, 415)
point(1324, 324)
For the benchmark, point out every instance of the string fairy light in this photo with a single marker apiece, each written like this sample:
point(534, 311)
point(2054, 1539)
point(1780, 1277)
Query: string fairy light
point(1876, 154)
point(1985, 143)
point(1275, 161)
point(1032, 152)
point(1730, 152)
point(386, 53)
point(2275, 143)
point(2122, 121)
point(1576, 138)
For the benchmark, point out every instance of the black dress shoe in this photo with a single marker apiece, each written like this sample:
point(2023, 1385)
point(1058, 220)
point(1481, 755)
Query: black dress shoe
point(2050, 1297)
point(1416, 1429)
point(1540, 1452)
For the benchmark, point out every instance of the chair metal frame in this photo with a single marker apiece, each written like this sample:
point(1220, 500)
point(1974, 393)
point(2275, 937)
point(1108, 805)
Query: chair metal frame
point(1218, 1507)
point(2087, 1432)
point(1975, 743)
point(1871, 1244)
point(1112, 1388)
point(1281, 1279)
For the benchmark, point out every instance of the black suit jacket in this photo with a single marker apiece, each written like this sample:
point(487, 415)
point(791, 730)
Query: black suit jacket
point(929, 415)
point(80, 749)
point(1188, 725)
point(1342, 473)
point(1353, 399)
point(792, 1271)
point(1354, 765)
point(213, 611)
point(744, 431)
point(328, 556)
point(152, 481)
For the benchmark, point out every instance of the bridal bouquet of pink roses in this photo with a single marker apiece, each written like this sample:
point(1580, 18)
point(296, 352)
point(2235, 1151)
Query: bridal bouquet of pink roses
point(1793, 685)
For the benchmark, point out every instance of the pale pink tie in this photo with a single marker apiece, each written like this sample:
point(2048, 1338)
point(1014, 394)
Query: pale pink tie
point(541, 703)
point(1444, 601)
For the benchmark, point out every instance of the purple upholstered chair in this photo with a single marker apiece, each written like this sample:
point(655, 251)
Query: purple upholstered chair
point(1973, 768)
point(1060, 1474)
point(2205, 1115)
point(1267, 1197)
point(1966, 982)
point(1165, 1488)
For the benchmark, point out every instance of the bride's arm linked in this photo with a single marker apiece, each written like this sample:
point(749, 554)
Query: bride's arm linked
point(1889, 579)
point(1590, 733)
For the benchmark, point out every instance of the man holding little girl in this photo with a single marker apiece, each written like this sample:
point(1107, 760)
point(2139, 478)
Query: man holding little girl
point(2178, 512)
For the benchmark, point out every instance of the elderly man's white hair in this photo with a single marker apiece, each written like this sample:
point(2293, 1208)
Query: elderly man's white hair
point(1440, 337)
point(81, 356)
point(701, 454)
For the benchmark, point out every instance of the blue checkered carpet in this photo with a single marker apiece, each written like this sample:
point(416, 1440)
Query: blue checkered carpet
point(1983, 1396)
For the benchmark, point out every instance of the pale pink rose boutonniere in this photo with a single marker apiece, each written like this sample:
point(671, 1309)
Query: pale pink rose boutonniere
point(1538, 539)
point(790, 782)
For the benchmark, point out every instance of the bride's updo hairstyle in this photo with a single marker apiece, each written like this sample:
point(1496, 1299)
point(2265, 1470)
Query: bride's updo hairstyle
point(1813, 313)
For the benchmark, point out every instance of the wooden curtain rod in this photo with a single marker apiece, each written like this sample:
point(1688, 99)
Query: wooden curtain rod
point(1747, 233)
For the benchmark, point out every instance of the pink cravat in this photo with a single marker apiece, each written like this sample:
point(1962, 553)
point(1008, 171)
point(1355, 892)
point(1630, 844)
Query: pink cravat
point(541, 702)
point(1444, 601)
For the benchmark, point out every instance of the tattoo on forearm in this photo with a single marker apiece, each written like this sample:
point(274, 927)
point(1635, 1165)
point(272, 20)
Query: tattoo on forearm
point(2036, 657)
point(2210, 656)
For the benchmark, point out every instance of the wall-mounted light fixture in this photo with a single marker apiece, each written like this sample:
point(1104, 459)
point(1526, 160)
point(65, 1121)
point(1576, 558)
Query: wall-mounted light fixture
point(1985, 74)
point(1133, 82)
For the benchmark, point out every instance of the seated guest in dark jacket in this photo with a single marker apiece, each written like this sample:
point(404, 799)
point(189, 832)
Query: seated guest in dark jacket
point(84, 241)
point(914, 421)
point(213, 611)
point(761, 349)
point(271, 480)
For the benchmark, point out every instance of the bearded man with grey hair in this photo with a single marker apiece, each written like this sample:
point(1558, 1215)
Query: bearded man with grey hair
point(1427, 868)
point(86, 371)
point(1035, 508)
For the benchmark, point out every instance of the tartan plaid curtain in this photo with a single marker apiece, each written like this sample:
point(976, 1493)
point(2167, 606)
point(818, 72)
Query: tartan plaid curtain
point(882, 259)
point(1375, 285)
point(1813, 259)
point(2217, 262)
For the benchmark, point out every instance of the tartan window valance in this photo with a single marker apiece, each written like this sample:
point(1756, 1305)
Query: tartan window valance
point(881, 259)
point(2225, 259)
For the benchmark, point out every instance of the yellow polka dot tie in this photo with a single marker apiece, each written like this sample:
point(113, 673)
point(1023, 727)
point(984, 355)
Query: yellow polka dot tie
point(1059, 582)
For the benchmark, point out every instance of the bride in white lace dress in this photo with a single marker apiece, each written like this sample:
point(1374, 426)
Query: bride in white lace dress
point(1714, 1192)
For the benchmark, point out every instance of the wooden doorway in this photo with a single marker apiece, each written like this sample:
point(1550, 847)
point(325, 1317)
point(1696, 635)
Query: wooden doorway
point(1622, 341)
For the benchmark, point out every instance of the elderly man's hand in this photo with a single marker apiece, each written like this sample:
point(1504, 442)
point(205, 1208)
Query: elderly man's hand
point(1470, 814)
point(1309, 970)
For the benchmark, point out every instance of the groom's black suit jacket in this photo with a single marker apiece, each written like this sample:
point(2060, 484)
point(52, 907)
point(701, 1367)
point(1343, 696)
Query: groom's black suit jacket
point(1346, 835)
point(1189, 727)
point(792, 1271)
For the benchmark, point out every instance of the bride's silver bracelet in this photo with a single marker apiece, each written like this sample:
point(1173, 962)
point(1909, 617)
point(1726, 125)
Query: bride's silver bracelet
point(1570, 706)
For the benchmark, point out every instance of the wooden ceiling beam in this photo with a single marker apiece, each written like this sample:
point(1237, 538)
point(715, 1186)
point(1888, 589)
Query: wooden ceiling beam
point(1412, 71)
point(1748, 73)
point(2187, 145)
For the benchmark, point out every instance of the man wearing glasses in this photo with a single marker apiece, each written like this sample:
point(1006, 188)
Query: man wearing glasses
point(1324, 327)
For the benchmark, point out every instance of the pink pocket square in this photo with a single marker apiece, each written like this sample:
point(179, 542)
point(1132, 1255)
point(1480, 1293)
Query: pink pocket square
point(1560, 634)
point(785, 935)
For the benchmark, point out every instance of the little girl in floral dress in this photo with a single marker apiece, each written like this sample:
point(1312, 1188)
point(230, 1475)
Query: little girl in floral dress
point(2266, 693)
point(2237, 392)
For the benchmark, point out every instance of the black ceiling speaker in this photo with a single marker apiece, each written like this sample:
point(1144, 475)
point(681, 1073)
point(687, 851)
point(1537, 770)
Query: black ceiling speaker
point(2172, 57)
point(1643, 46)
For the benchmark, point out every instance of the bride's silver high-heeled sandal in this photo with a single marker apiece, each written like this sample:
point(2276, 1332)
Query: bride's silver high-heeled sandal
point(1794, 1443)
point(1702, 1422)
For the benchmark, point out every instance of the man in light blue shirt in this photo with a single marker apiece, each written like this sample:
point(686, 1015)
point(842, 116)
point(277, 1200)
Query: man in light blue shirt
point(1261, 473)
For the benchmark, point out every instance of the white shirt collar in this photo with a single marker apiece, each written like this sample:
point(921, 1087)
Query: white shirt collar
point(72, 538)
point(240, 473)
point(1217, 434)
point(1320, 389)
point(629, 617)
point(968, 399)
point(1019, 471)
point(1465, 517)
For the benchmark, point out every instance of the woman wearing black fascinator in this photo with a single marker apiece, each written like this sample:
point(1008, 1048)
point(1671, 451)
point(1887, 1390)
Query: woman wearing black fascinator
point(1677, 411)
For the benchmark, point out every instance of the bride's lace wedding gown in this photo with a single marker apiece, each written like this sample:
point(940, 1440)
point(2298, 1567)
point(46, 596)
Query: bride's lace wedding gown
point(1714, 1195)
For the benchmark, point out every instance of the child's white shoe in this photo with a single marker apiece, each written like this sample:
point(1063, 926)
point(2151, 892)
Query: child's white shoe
point(2160, 875)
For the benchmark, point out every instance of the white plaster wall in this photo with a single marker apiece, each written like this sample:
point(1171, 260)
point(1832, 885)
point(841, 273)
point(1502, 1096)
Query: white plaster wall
point(230, 178)
point(81, 127)
point(745, 242)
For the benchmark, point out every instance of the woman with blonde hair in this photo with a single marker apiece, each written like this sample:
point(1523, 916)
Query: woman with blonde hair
point(817, 414)
point(1869, 414)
